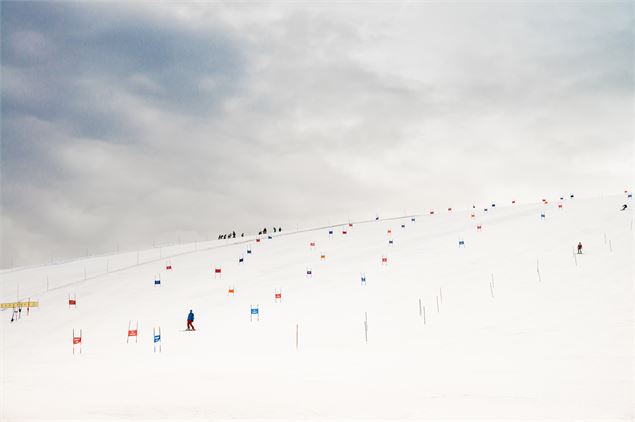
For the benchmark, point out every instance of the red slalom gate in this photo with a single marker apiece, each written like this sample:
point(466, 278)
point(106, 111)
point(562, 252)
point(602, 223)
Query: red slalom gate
point(72, 301)
point(77, 341)
point(133, 333)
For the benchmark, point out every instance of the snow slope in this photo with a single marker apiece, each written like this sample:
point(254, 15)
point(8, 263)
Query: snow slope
point(555, 348)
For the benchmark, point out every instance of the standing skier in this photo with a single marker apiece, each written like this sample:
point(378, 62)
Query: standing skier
point(579, 247)
point(190, 321)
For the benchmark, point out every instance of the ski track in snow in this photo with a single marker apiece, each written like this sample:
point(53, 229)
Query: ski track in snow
point(559, 348)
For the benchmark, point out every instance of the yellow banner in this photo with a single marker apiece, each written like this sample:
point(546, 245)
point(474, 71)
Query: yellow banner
point(19, 305)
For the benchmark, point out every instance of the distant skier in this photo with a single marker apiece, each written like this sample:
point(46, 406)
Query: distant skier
point(264, 231)
point(274, 230)
point(190, 321)
point(579, 247)
point(624, 207)
point(279, 229)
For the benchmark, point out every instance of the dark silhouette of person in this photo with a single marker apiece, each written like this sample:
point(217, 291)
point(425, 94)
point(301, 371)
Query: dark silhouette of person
point(579, 247)
point(624, 207)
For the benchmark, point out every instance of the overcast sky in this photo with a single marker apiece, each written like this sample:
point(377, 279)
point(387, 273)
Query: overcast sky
point(157, 121)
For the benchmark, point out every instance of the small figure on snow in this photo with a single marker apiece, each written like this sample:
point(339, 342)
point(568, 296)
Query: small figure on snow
point(579, 247)
point(624, 207)
point(190, 321)
point(279, 229)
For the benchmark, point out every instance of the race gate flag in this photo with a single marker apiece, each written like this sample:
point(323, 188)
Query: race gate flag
point(479, 227)
point(461, 243)
point(133, 333)
point(257, 240)
point(384, 260)
point(363, 278)
point(241, 259)
point(322, 257)
point(168, 265)
point(231, 291)
point(277, 295)
point(156, 335)
point(157, 281)
point(249, 250)
point(311, 244)
point(77, 341)
point(309, 272)
point(72, 301)
point(217, 272)
point(344, 232)
point(254, 312)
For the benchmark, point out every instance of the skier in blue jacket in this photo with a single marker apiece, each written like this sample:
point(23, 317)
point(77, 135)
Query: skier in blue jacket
point(190, 321)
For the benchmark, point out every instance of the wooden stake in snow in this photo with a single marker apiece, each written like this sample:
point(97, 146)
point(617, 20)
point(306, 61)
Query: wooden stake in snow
point(575, 257)
point(538, 270)
point(437, 303)
point(366, 326)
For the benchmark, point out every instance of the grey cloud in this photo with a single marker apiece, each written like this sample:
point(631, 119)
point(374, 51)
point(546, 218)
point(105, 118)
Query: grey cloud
point(129, 123)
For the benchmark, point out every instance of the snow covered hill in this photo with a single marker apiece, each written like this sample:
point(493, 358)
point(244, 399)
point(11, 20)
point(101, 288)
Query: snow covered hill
point(511, 325)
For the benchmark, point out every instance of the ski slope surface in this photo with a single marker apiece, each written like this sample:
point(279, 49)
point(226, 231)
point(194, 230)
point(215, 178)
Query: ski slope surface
point(510, 325)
